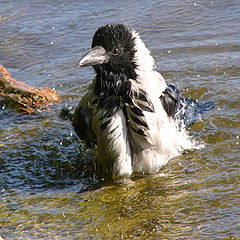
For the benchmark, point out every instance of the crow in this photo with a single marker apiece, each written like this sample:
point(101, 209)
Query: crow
point(129, 116)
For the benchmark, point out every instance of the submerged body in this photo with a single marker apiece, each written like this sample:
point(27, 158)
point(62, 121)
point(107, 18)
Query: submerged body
point(129, 116)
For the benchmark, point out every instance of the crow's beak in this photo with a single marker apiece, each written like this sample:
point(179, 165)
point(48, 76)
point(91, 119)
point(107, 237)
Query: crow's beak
point(95, 56)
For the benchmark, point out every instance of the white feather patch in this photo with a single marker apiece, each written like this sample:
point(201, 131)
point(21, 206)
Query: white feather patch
point(143, 58)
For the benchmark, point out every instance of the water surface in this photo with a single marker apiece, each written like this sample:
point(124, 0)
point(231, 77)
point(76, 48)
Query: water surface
point(48, 187)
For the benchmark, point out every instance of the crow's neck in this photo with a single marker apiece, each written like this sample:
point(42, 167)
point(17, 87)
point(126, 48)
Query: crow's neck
point(114, 82)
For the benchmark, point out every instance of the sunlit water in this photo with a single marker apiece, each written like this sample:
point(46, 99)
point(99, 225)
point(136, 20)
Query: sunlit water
point(48, 187)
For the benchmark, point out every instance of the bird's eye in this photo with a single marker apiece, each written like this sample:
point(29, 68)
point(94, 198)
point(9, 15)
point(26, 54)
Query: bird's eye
point(116, 51)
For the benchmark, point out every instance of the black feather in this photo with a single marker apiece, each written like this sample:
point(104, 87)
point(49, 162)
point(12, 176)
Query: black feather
point(81, 124)
point(137, 110)
point(143, 101)
point(146, 108)
point(183, 110)
point(170, 99)
point(139, 131)
point(139, 121)
point(105, 124)
point(113, 130)
point(108, 103)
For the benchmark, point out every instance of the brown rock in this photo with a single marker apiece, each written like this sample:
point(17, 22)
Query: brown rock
point(23, 98)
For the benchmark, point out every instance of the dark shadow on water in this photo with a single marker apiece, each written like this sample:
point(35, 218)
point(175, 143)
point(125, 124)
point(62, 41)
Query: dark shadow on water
point(35, 159)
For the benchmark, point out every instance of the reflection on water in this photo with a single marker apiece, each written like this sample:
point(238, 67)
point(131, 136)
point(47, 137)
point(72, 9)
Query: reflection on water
point(48, 187)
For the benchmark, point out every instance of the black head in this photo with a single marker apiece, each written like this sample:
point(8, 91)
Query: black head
point(113, 51)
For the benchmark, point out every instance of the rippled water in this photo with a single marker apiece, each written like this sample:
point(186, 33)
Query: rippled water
point(48, 188)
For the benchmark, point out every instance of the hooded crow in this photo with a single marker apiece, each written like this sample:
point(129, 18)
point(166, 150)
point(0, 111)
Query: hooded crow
point(130, 117)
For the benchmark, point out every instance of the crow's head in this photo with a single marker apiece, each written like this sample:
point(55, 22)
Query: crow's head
point(117, 54)
point(117, 48)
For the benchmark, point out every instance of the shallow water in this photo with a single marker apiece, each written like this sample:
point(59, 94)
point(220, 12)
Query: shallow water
point(48, 187)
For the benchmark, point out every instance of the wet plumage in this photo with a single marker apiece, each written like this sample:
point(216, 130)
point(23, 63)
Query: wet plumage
point(130, 117)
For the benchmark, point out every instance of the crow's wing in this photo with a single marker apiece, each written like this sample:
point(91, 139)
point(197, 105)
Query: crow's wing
point(82, 119)
point(186, 110)
point(170, 99)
